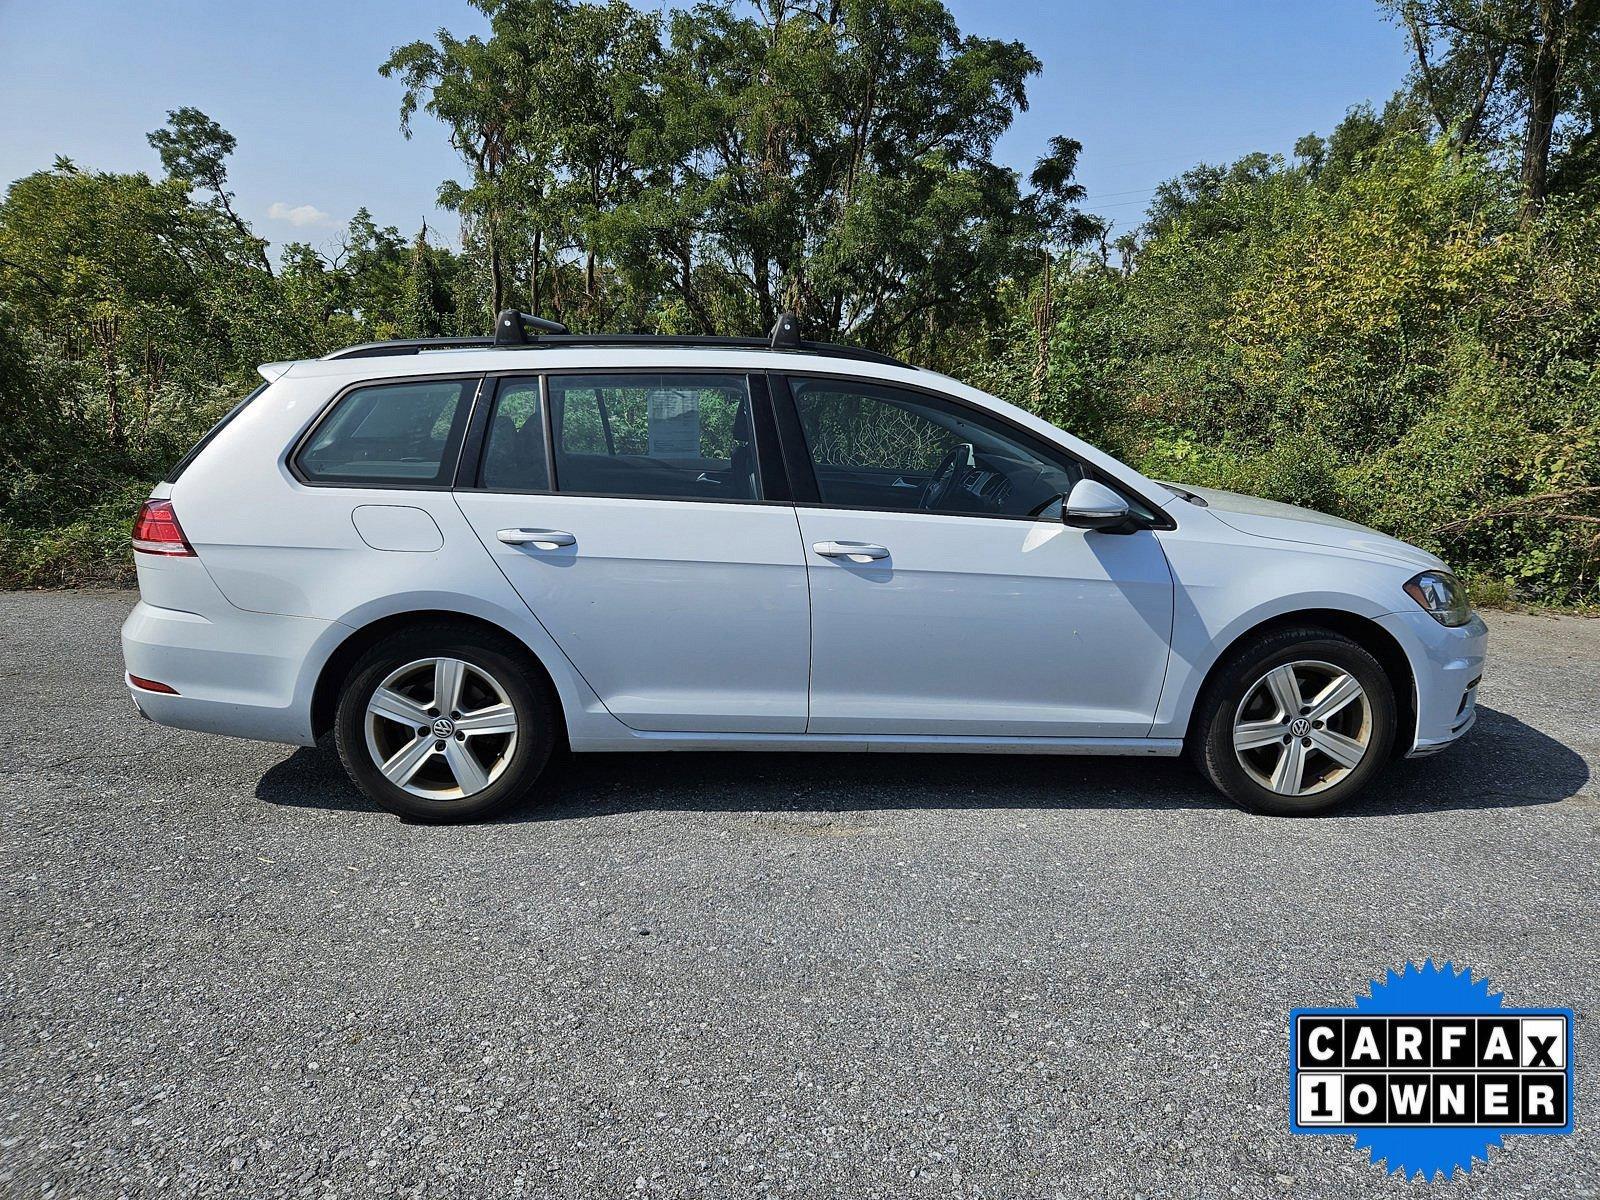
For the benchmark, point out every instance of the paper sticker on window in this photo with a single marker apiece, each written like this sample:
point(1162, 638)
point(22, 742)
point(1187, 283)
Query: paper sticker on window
point(674, 423)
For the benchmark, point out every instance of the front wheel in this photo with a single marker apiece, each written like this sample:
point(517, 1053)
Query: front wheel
point(1296, 722)
point(444, 723)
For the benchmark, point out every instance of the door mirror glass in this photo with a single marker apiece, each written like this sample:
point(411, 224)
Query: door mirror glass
point(1092, 505)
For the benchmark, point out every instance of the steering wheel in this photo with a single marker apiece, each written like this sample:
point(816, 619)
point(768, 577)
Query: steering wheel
point(952, 469)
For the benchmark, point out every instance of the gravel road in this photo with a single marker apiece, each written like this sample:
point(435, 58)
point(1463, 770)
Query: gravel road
point(714, 975)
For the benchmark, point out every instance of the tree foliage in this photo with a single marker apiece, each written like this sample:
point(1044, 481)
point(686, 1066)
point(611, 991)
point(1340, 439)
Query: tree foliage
point(1397, 322)
point(1515, 75)
point(703, 173)
point(1375, 334)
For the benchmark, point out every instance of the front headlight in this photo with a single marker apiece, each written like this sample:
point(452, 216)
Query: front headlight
point(1442, 595)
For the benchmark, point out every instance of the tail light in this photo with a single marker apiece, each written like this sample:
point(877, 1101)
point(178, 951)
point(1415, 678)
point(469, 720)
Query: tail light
point(156, 530)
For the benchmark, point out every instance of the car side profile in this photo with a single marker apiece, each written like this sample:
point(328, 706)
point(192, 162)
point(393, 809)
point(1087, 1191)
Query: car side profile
point(456, 556)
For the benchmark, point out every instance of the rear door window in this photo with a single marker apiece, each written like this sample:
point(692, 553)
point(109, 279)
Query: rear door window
point(390, 435)
point(684, 436)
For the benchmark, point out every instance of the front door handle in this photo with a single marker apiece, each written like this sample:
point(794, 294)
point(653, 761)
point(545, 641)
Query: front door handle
point(539, 539)
point(855, 551)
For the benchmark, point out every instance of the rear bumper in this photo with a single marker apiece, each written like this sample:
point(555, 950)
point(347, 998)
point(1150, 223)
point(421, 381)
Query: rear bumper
point(235, 672)
point(1447, 665)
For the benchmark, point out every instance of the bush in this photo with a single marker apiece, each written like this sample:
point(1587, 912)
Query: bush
point(1384, 343)
point(89, 551)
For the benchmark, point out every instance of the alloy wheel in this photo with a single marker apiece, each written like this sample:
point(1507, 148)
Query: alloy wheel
point(441, 728)
point(1302, 727)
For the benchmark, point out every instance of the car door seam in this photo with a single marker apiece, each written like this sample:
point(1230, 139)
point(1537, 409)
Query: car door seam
point(1172, 631)
point(811, 627)
point(537, 620)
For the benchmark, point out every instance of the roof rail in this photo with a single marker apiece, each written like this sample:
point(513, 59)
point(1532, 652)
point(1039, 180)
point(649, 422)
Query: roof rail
point(410, 346)
point(513, 329)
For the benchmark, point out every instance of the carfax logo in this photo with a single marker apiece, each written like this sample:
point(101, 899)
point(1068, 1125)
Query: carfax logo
point(1430, 1070)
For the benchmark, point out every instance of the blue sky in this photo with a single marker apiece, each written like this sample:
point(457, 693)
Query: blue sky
point(1149, 89)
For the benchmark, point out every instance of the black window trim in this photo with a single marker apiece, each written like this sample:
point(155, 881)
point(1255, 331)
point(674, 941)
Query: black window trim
point(782, 455)
point(460, 427)
point(768, 456)
point(797, 454)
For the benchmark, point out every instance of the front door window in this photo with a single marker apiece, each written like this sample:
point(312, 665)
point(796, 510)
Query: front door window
point(890, 448)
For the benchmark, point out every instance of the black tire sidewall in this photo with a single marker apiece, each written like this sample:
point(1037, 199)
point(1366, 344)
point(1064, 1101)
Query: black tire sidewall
point(535, 721)
point(1224, 694)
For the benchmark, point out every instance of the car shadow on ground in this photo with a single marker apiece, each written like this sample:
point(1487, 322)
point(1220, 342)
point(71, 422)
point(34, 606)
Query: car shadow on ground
point(1504, 763)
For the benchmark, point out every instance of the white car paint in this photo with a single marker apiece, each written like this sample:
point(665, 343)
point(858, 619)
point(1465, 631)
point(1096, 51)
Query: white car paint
point(705, 625)
point(1289, 523)
point(660, 602)
point(1072, 638)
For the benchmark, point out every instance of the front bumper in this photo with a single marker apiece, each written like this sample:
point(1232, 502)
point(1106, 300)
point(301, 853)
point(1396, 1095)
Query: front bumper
point(1447, 667)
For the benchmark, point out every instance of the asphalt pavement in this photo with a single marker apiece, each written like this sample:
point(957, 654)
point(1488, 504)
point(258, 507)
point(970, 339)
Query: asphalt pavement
point(734, 974)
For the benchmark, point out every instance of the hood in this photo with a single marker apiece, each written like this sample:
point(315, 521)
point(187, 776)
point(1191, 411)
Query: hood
point(1289, 523)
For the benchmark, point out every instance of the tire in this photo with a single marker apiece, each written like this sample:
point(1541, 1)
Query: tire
point(509, 723)
point(1245, 744)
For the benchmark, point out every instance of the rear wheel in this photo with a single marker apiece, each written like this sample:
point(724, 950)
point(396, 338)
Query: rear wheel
point(444, 723)
point(1296, 722)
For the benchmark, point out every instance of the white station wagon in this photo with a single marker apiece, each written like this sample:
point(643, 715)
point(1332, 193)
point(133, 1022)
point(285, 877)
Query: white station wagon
point(457, 555)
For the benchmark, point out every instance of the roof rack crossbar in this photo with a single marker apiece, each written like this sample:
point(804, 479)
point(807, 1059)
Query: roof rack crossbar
point(511, 327)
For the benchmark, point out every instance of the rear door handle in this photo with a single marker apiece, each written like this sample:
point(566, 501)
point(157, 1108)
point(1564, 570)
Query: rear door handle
point(539, 539)
point(855, 551)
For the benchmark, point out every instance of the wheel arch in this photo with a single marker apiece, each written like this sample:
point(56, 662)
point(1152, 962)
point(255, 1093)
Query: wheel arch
point(1364, 631)
point(325, 692)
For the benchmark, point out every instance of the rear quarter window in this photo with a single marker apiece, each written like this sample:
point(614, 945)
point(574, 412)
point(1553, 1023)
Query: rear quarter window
point(389, 435)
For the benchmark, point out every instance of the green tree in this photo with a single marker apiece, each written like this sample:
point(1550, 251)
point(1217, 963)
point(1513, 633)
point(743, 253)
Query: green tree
point(194, 149)
point(132, 314)
point(1482, 65)
point(1063, 229)
point(1370, 330)
point(127, 279)
point(427, 303)
point(606, 128)
point(499, 98)
point(837, 161)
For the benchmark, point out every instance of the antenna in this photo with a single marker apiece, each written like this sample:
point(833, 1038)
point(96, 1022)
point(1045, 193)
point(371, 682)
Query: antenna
point(511, 327)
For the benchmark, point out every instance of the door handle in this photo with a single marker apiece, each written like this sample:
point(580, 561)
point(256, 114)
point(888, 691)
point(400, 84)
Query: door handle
point(539, 539)
point(855, 551)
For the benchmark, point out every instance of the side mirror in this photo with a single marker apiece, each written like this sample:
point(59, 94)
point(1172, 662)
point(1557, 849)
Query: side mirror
point(1093, 505)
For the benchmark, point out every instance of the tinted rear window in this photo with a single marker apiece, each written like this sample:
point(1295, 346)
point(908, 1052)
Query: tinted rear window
point(391, 434)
